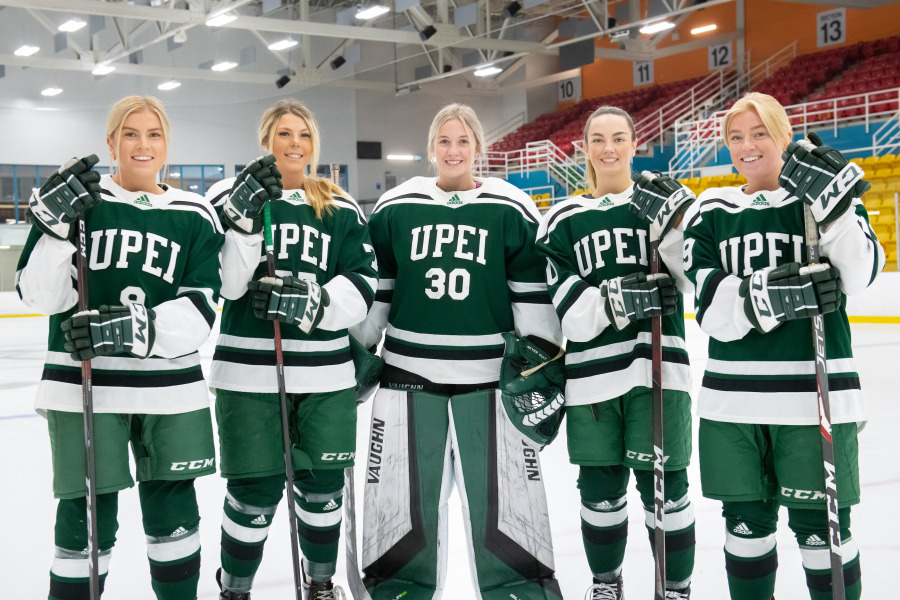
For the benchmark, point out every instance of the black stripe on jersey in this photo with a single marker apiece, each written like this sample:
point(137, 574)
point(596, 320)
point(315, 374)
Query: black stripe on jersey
point(385, 296)
point(202, 207)
point(199, 303)
point(290, 360)
point(577, 290)
point(343, 202)
point(710, 293)
point(129, 379)
point(106, 192)
point(504, 199)
point(169, 573)
point(400, 554)
point(710, 204)
point(410, 196)
point(443, 353)
point(502, 546)
point(772, 386)
point(220, 198)
point(530, 297)
point(551, 222)
point(361, 287)
point(618, 364)
point(400, 379)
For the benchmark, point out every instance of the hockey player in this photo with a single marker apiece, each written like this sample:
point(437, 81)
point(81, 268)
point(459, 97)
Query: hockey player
point(458, 269)
point(760, 445)
point(322, 251)
point(598, 271)
point(153, 285)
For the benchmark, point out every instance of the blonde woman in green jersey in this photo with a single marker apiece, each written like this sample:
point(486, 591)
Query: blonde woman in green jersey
point(153, 286)
point(598, 272)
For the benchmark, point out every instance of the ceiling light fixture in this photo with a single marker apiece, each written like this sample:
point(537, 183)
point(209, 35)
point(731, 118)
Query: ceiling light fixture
point(51, 91)
point(703, 29)
point(656, 27)
point(103, 69)
point(168, 85)
point(370, 12)
point(283, 44)
point(223, 66)
point(26, 50)
point(219, 20)
point(405, 157)
point(72, 25)
point(619, 34)
point(487, 71)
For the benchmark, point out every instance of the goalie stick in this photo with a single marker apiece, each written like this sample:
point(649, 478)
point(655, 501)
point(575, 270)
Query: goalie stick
point(811, 230)
point(285, 430)
point(87, 402)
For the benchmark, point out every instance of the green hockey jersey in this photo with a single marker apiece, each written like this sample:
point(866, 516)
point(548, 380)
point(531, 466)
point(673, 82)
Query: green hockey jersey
point(586, 241)
point(753, 377)
point(336, 253)
point(158, 250)
point(457, 270)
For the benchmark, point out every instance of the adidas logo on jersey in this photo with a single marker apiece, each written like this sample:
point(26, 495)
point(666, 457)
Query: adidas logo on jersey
point(605, 202)
point(815, 540)
point(260, 520)
point(332, 505)
point(759, 201)
point(143, 200)
point(742, 529)
point(178, 532)
point(298, 197)
point(454, 199)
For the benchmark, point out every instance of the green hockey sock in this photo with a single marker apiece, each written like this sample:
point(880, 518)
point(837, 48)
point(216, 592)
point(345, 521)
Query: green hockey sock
point(751, 578)
point(319, 528)
point(604, 531)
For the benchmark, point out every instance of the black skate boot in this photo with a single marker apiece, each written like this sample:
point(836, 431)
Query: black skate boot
point(684, 594)
point(229, 595)
point(322, 590)
point(601, 590)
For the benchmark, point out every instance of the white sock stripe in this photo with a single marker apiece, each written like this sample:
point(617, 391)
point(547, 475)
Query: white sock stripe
point(819, 559)
point(677, 515)
point(604, 518)
point(169, 549)
point(248, 535)
point(76, 565)
point(748, 547)
point(328, 519)
point(248, 509)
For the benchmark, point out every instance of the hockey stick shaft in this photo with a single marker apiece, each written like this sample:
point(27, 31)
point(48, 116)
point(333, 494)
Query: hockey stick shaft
point(659, 486)
point(285, 415)
point(831, 499)
point(87, 403)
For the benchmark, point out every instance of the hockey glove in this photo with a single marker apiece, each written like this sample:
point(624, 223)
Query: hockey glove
point(787, 292)
point(65, 196)
point(290, 300)
point(258, 183)
point(367, 368)
point(111, 330)
point(531, 389)
point(821, 177)
point(638, 296)
point(659, 199)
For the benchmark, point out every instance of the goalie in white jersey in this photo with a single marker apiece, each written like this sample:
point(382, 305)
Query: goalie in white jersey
point(153, 286)
point(598, 272)
point(458, 270)
point(326, 280)
point(760, 443)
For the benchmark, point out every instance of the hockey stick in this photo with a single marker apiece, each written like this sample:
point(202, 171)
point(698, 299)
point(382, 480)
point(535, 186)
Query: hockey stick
point(659, 485)
point(87, 403)
point(285, 430)
point(811, 230)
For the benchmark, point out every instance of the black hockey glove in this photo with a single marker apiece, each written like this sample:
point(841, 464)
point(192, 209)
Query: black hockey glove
point(367, 368)
point(258, 183)
point(111, 330)
point(659, 199)
point(787, 292)
point(531, 389)
point(638, 296)
point(821, 177)
point(290, 300)
point(65, 196)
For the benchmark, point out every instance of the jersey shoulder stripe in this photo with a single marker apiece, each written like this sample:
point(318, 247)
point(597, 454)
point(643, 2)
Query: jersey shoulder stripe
point(219, 191)
point(349, 203)
point(558, 213)
point(171, 199)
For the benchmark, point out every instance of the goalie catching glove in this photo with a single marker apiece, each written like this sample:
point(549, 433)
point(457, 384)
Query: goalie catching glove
point(65, 196)
point(531, 389)
point(638, 296)
point(821, 177)
point(110, 331)
point(290, 300)
point(258, 183)
point(659, 199)
point(777, 294)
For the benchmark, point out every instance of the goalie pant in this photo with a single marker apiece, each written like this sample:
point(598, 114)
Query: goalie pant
point(420, 445)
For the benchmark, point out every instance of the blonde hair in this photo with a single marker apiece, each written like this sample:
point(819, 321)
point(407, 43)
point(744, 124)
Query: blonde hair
point(589, 173)
point(770, 112)
point(124, 108)
point(319, 191)
point(464, 113)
